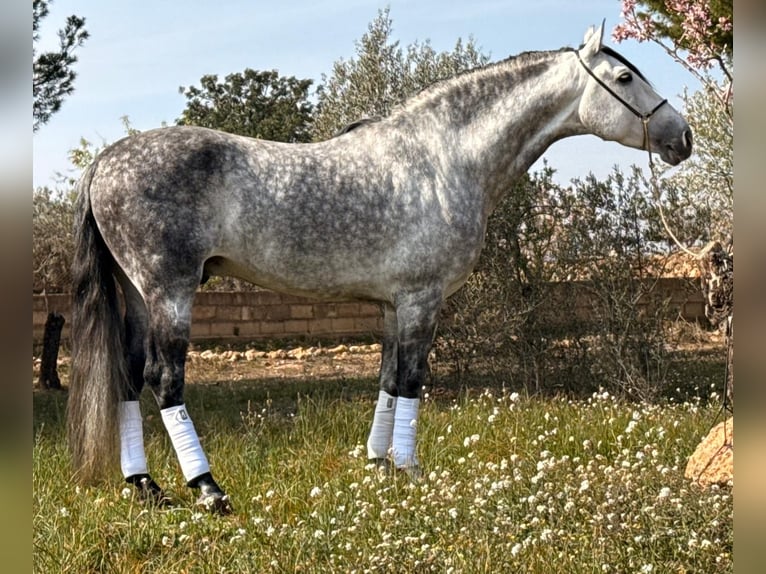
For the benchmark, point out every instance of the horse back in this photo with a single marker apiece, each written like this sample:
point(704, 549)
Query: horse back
point(296, 217)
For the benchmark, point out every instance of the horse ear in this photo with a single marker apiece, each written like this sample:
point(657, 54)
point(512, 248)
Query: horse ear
point(592, 42)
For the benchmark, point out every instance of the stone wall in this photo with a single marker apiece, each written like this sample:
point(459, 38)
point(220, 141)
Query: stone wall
point(253, 315)
point(250, 315)
point(265, 314)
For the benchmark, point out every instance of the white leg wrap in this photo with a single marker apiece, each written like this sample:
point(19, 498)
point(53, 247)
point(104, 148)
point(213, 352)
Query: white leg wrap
point(186, 442)
point(382, 426)
point(405, 431)
point(132, 456)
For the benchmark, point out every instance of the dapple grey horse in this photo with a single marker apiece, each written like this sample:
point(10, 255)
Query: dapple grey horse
point(392, 211)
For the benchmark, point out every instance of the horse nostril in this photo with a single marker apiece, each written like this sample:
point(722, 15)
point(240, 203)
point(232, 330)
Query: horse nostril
point(687, 139)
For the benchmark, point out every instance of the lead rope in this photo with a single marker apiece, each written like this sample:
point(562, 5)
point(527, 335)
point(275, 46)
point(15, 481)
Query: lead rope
point(653, 180)
point(725, 404)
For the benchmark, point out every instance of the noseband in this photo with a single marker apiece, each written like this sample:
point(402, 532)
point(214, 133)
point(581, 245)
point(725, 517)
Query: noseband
point(643, 117)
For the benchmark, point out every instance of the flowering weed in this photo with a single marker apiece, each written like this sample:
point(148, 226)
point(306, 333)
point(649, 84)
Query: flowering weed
point(510, 484)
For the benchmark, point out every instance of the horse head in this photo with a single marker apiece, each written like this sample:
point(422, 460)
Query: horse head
point(619, 104)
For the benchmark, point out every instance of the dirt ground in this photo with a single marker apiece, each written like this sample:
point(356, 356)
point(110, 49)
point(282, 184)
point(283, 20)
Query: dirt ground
point(214, 364)
point(208, 365)
point(292, 363)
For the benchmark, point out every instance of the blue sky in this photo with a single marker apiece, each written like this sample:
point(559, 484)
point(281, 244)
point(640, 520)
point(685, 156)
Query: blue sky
point(140, 52)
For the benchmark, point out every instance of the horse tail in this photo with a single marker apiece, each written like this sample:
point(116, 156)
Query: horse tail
point(98, 377)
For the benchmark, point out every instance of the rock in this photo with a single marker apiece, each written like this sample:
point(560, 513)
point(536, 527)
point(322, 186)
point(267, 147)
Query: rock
point(299, 353)
point(713, 460)
point(252, 354)
point(338, 349)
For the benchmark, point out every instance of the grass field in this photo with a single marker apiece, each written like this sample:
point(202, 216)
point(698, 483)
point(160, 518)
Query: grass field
point(511, 484)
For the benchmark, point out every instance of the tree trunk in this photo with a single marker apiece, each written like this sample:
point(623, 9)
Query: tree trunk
point(49, 377)
point(717, 275)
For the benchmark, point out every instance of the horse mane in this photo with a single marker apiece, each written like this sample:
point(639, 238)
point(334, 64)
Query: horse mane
point(525, 59)
point(357, 124)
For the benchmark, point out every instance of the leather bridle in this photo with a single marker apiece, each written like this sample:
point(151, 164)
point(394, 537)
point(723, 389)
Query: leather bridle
point(644, 117)
point(647, 146)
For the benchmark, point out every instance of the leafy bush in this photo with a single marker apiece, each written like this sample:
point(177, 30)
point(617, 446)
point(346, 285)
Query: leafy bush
point(52, 241)
point(562, 298)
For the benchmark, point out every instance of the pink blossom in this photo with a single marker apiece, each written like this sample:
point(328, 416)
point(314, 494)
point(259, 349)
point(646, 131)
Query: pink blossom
point(697, 26)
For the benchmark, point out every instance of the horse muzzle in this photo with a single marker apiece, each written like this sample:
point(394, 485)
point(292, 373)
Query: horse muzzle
point(678, 149)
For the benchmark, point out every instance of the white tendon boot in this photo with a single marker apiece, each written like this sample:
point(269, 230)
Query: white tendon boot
point(132, 456)
point(404, 437)
point(379, 442)
point(185, 441)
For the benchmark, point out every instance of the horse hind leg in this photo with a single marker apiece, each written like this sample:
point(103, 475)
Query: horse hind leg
point(132, 455)
point(166, 346)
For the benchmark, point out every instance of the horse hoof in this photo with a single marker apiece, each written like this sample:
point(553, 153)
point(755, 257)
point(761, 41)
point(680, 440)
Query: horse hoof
point(211, 497)
point(149, 492)
point(159, 500)
point(381, 465)
point(385, 467)
point(215, 503)
point(412, 472)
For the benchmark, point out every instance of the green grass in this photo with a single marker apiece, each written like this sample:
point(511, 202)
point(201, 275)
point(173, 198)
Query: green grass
point(511, 484)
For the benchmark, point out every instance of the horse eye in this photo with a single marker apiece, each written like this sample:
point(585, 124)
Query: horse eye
point(625, 78)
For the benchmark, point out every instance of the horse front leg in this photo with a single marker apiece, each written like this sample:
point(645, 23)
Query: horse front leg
point(381, 433)
point(165, 365)
point(416, 315)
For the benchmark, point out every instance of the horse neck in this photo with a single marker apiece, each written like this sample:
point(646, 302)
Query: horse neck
point(500, 119)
